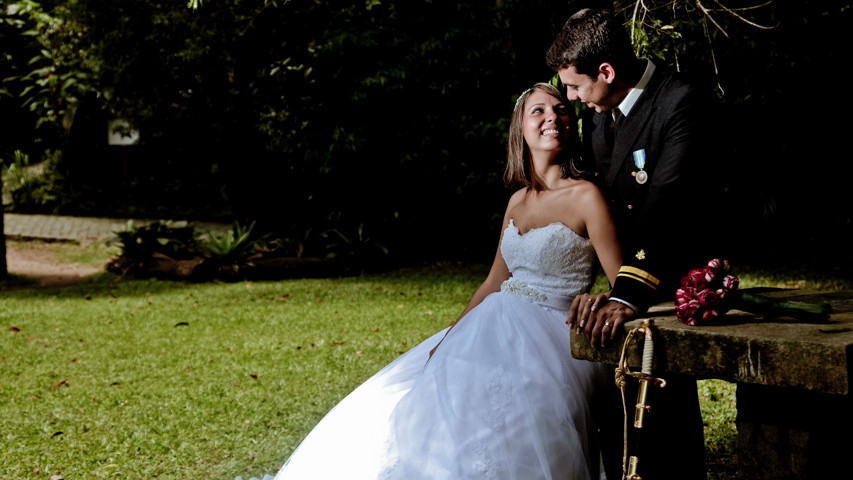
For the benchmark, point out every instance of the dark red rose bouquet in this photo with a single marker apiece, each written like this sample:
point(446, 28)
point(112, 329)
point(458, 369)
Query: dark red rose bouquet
point(708, 293)
point(705, 293)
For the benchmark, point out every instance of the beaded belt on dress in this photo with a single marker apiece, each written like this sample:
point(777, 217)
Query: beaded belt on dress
point(517, 287)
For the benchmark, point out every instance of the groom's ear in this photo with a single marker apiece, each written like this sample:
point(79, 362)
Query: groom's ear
point(606, 72)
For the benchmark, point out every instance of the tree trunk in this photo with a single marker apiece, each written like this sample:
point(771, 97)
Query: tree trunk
point(4, 268)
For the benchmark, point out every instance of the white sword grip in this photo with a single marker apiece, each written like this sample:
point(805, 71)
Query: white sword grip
point(648, 355)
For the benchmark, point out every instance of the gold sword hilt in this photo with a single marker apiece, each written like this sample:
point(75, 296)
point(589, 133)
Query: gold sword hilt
point(644, 377)
point(632, 469)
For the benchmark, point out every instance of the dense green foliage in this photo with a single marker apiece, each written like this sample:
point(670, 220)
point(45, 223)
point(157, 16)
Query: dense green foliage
point(174, 250)
point(385, 118)
point(177, 240)
point(304, 115)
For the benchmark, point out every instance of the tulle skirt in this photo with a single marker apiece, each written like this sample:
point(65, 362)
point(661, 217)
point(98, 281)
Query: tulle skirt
point(501, 398)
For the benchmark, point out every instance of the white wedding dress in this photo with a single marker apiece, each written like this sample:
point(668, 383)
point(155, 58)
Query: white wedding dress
point(501, 398)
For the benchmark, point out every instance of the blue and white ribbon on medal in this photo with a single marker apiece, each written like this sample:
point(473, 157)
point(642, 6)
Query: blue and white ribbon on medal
point(640, 161)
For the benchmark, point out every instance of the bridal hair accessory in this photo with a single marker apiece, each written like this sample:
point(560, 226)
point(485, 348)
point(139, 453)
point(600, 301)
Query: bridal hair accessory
point(518, 100)
point(644, 376)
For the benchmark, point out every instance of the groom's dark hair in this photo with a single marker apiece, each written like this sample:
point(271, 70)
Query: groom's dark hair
point(588, 39)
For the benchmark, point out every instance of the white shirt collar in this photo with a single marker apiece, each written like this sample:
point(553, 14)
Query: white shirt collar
point(631, 99)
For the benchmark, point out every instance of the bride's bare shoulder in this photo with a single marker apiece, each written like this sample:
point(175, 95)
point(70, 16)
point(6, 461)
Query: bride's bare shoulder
point(581, 187)
point(518, 196)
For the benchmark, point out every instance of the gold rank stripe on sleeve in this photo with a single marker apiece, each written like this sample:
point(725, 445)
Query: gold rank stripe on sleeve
point(639, 275)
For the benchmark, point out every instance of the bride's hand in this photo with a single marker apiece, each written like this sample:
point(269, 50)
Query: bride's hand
point(584, 306)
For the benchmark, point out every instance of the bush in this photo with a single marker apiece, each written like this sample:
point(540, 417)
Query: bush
point(31, 188)
point(174, 250)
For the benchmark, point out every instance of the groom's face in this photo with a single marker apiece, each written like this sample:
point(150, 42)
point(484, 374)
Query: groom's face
point(595, 92)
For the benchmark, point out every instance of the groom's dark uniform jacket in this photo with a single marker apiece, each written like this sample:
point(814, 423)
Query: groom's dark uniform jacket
point(661, 224)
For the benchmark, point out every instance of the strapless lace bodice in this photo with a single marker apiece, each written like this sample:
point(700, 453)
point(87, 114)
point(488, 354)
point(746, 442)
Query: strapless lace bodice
point(552, 258)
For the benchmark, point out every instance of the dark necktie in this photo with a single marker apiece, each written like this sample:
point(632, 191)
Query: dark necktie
point(613, 125)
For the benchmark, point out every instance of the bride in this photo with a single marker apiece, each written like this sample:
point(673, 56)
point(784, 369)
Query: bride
point(498, 394)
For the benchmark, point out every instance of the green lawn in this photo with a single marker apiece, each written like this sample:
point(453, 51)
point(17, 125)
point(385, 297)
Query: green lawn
point(144, 379)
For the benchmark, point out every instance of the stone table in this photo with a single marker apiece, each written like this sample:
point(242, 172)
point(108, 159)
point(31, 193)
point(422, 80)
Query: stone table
point(795, 414)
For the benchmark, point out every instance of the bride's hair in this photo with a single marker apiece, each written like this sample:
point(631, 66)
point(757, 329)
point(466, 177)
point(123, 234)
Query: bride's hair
point(519, 167)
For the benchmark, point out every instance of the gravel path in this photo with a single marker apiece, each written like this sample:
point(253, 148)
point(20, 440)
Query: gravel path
point(41, 265)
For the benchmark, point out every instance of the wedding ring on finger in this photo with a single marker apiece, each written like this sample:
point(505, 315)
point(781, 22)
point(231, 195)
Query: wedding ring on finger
point(607, 324)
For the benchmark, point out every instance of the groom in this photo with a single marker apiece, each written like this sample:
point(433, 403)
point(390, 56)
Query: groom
point(645, 138)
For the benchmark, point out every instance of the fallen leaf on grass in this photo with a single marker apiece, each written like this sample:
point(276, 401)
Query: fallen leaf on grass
point(64, 382)
point(14, 329)
point(182, 324)
point(56, 434)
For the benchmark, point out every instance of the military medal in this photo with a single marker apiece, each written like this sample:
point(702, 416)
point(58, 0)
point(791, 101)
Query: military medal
point(640, 161)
